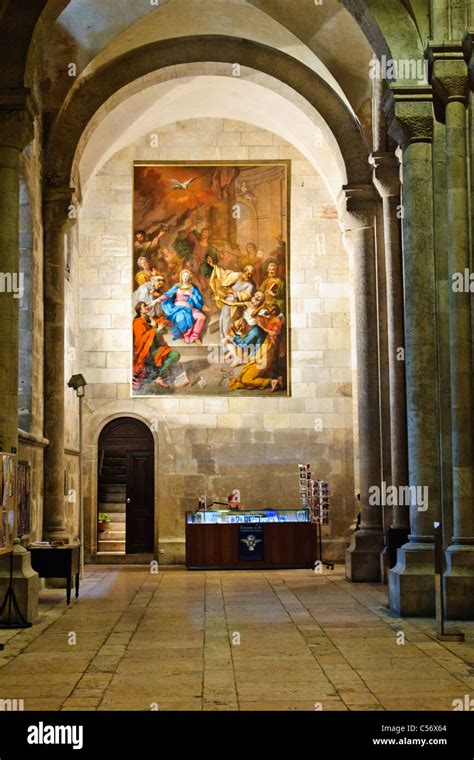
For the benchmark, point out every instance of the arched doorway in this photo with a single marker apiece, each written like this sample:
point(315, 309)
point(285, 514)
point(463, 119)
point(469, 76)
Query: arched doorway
point(126, 487)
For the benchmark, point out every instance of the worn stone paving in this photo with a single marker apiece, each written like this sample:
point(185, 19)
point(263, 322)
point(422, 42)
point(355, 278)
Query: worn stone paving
point(279, 640)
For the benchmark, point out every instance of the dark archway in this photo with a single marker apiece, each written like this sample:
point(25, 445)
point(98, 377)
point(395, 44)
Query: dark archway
point(126, 488)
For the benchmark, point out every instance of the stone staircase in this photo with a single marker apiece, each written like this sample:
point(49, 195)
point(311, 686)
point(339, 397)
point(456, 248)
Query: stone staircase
point(112, 495)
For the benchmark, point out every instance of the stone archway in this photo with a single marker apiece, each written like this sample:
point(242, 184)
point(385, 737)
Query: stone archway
point(126, 489)
point(205, 90)
point(95, 90)
point(106, 80)
point(95, 423)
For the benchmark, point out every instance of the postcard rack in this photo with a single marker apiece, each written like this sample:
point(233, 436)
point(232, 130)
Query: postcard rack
point(314, 495)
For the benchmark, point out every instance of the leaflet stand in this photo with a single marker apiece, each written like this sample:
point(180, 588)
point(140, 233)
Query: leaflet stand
point(314, 495)
point(12, 602)
point(320, 505)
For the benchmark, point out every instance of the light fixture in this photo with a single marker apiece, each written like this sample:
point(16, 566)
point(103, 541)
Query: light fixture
point(78, 383)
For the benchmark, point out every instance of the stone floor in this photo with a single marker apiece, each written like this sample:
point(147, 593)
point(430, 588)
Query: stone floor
point(280, 640)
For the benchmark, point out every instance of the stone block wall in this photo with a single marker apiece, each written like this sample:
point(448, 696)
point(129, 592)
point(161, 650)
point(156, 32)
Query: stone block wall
point(211, 445)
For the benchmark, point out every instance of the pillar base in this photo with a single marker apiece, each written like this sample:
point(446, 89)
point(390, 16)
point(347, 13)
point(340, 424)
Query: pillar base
point(459, 582)
point(363, 556)
point(411, 583)
point(26, 584)
point(57, 534)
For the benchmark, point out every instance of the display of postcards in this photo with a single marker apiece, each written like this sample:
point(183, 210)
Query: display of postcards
point(3, 530)
point(304, 481)
point(11, 525)
point(5, 481)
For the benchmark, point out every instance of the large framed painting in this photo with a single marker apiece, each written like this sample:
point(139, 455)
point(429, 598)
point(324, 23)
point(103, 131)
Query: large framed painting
point(210, 279)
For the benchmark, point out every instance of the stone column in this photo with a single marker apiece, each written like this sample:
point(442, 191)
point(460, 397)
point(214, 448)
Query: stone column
point(384, 378)
point(379, 143)
point(56, 203)
point(16, 130)
point(387, 182)
point(443, 284)
point(439, 10)
point(411, 581)
point(358, 209)
point(451, 86)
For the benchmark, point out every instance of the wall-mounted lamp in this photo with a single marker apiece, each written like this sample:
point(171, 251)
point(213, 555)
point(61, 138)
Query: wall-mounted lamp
point(78, 383)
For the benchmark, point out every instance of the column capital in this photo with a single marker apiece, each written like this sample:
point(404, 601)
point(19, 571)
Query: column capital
point(57, 205)
point(409, 110)
point(357, 206)
point(448, 71)
point(386, 175)
point(16, 118)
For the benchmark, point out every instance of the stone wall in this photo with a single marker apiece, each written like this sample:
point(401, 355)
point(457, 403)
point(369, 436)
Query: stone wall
point(210, 445)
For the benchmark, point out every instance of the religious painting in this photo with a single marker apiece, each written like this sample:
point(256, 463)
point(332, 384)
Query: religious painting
point(8, 494)
point(210, 305)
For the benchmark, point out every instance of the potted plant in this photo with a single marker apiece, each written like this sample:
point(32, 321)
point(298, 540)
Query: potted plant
point(103, 522)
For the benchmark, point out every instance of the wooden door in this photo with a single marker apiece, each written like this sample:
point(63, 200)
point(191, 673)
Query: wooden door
point(126, 486)
point(139, 502)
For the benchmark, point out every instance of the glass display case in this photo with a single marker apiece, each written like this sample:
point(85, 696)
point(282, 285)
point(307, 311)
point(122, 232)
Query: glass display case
point(226, 516)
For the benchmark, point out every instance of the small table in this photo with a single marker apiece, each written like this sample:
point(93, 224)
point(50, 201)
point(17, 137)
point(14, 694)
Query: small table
point(58, 562)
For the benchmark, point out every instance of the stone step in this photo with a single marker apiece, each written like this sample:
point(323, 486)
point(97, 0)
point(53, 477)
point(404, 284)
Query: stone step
point(113, 475)
point(113, 487)
point(110, 546)
point(111, 534)
point(117, 518)
point(112, 507)
point(116, 525)
point(112, 497)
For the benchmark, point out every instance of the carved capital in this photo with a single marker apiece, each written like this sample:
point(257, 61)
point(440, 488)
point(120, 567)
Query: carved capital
point(357, 204)
point(386, 175)
point(16, 118)
point(409, 110)
point(448, 72)
point(58, 208)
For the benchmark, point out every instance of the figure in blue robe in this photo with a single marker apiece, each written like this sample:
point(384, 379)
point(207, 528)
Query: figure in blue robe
point(254, 338)
point(179, 308)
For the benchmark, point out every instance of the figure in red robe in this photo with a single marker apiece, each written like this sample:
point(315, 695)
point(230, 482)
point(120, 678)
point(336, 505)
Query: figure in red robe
point(152, 357)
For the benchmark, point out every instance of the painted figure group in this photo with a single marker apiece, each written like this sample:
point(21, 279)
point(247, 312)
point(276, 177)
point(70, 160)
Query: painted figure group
point(250, 303)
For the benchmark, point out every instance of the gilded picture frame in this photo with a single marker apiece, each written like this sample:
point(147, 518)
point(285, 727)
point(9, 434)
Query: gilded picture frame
point(210, 278)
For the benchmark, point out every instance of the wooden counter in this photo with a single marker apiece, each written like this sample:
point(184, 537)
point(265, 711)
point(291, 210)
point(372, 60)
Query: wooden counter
point(58, 562)
point(216, 546)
